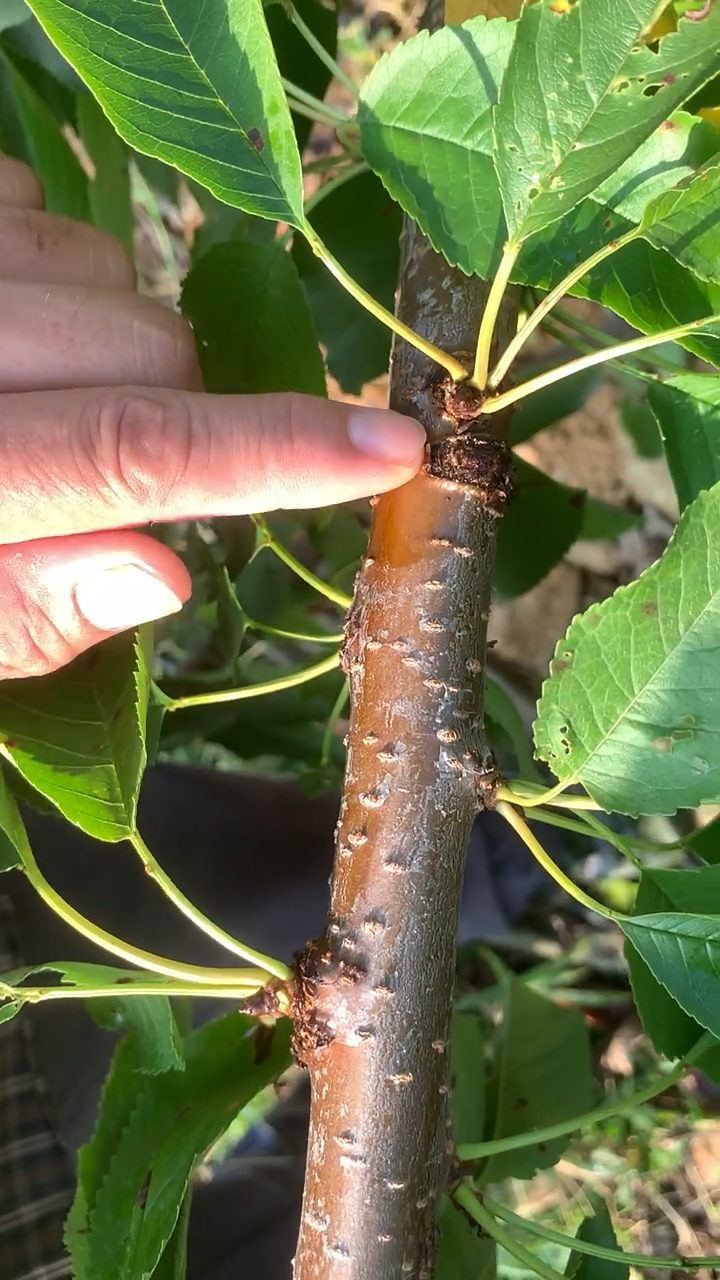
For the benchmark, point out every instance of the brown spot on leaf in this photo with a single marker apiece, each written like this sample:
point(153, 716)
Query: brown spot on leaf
point(143, 1192)
point(262, 1043)
point(649, 608)
point(256, 140)
point(519, 1104)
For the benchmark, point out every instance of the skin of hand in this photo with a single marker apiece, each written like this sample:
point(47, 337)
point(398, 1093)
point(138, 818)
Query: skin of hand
point(104, 426)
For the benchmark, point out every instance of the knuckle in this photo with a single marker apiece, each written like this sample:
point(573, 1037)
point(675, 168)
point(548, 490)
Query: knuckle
point(140, 445)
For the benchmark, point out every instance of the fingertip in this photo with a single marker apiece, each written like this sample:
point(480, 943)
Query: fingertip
point(388, 437)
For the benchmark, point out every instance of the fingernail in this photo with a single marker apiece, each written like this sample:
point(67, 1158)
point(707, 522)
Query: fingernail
point(390, 437)
point(124, 595)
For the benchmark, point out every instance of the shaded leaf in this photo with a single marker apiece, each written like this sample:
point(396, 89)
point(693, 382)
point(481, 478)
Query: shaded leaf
point(252, 325)
point(671, 1030)
point(433, 150)
point(361, 226)
point(543, 1078)
point(13, 837)
point(596, 1229)
point(545, 407)
point(77, 735)
point(109, 189)
point(687, 410)
point(644, 285)
point(581, 93)
point(641, 425)
point(540, 524)
point(295, 59)
point(603, 520)
point(64, 184)
point(706, 842)
point(134, 1173)
point(632, 705)
point(150, 1021)
point(686, 222)
point(467, 1100)
point(680, 146)
point(200, 91)
point(499, 706)
point(463, 1252)
point(683, 952)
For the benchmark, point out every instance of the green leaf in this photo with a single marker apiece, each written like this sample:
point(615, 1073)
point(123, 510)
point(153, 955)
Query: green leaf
point(150, 1132)
point(641, 425)
point(632, 705)
point(198, 89)
point(77, 735)
point(467, 1101)
point(173, 1262)
point(683, 952)
point(644, 285)
point(687, 410)
point(543, 1078)
point(540, 524)
point(463, 1252)
point(671, 1030)
point(150, 1020)
point(295, 59)
point(579, 96)
point(151, 1023)
point(109, 189)
point(13, 837)
point(64, 183)
point(686, 222)
point(543, 408)
point(670, 156)
point(425, 128)
point(500, 707)
point(597, 1229)
point(706, 842)
point(361, 226)
point(251, 321)
point(603, 520)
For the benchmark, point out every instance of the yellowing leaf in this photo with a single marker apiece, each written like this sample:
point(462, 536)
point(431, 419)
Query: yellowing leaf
point(457, 11)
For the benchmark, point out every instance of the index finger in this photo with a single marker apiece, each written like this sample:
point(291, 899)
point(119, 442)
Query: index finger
point(82, 460)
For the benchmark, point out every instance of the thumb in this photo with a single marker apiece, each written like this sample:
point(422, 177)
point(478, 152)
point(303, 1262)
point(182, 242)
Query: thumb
point(60, 596)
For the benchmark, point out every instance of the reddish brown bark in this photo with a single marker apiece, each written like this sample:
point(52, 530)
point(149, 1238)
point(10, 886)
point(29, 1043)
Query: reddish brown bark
point(373, 1024)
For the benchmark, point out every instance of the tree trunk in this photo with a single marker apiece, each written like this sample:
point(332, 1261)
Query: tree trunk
point(373, 1015)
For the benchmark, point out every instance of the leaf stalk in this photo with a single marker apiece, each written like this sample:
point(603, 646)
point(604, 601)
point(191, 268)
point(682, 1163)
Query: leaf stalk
point(490, 314)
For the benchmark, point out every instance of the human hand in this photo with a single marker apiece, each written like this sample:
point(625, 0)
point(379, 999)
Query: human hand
point(104, 426)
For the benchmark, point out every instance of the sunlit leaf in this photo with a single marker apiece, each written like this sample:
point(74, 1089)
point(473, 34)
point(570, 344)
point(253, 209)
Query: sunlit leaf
point(196, 85)
point(632, 705)
point(579, 96)
point(432, 150)
point(77, 735)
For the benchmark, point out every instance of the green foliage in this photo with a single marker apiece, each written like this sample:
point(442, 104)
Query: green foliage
point(109, 189)
point(361, 226)
point(150, 1132)
point(558, 133)
point(434, 152)
point(686, 222)
point(560, 130)
point(251, 321)
point(596, 1229)
point(687, 409)
point(683, 952)
point(462, 1250)
point(78, 735)
point(64, 183)
point(542, 1076)
point(671, 1030)
point(629, 706)
point(541, 523)
point(203, 96)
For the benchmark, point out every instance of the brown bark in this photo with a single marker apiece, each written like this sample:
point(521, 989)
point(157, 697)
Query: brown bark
point(376, 990)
